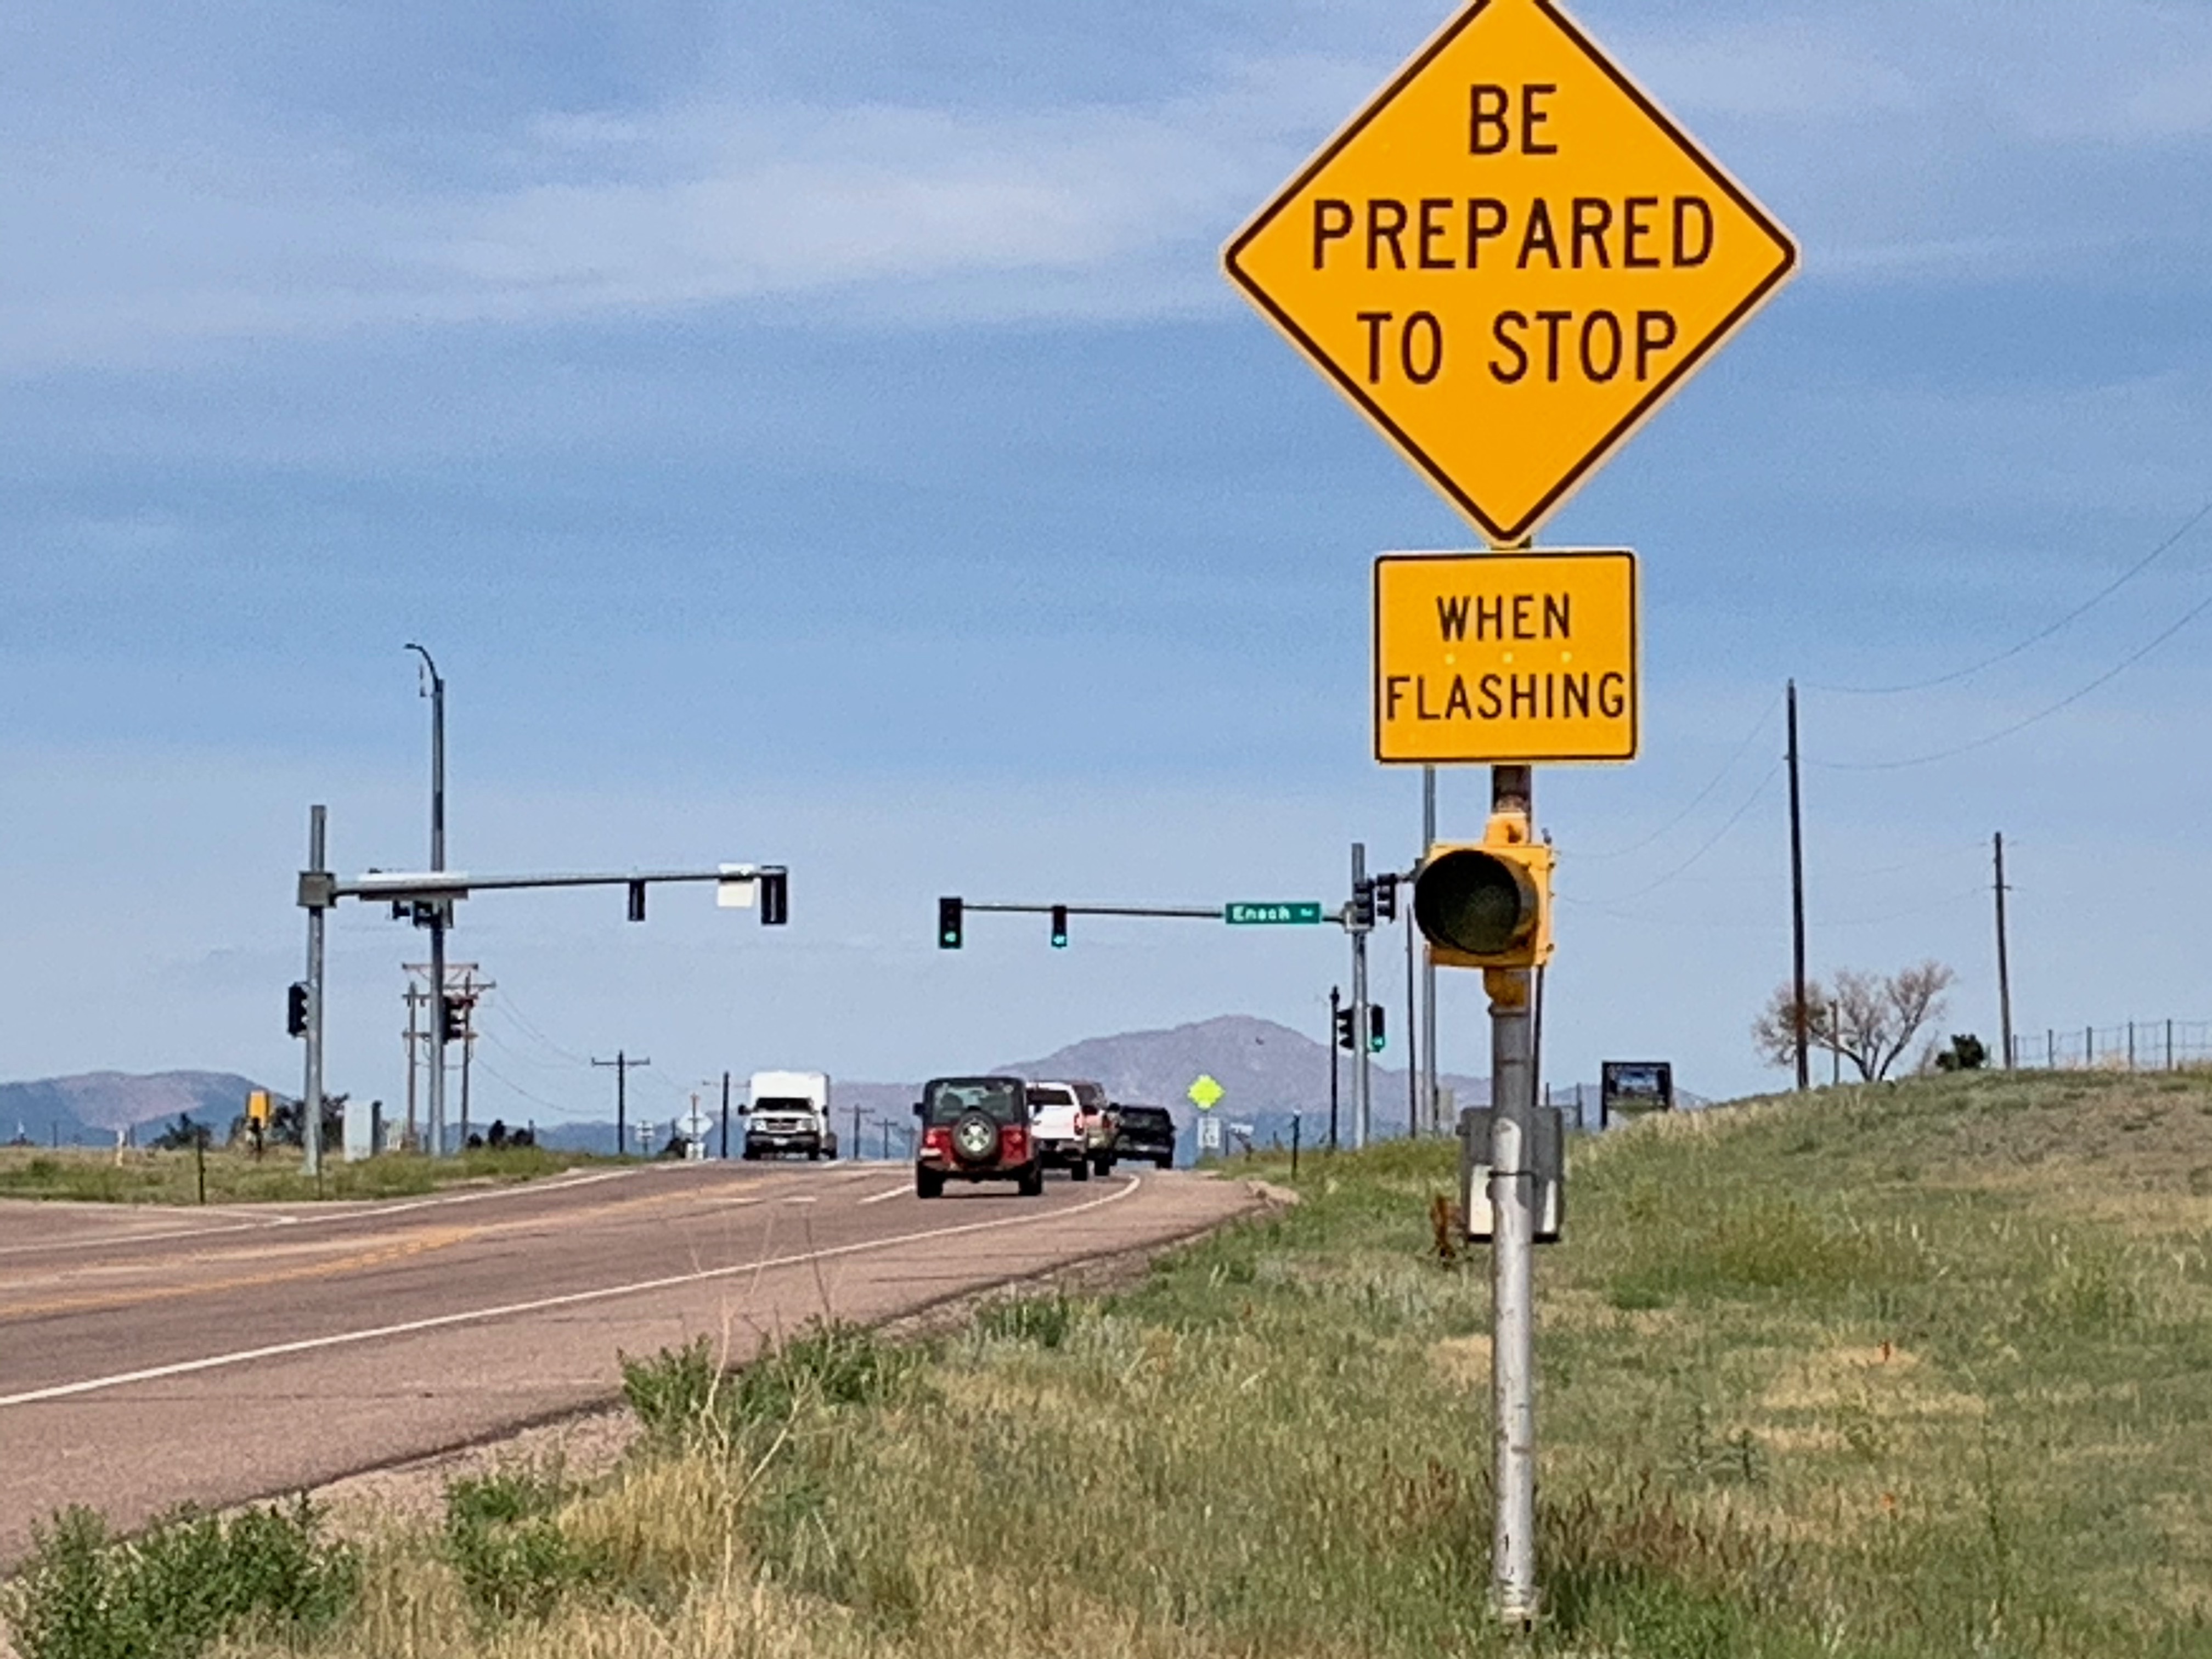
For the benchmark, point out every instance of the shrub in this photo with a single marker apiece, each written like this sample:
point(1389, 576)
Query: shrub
point(679, 1394)
point(503, 1535)
point(186, 1583)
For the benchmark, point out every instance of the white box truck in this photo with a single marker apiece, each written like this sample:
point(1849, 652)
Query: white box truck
point(787, 1114)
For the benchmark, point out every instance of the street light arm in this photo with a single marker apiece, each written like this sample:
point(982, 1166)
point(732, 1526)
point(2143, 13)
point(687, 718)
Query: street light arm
point(429, 667)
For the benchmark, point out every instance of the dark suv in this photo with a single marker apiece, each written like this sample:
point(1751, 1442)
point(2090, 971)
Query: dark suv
point(976, 1128)
point(1144, 1132)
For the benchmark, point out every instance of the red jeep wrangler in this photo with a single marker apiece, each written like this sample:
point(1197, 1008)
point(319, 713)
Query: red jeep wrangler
point(976, 1128)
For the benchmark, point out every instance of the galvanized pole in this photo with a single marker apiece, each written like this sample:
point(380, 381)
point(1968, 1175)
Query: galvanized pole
point(1335, 1066)
point(1513, 1234)
point(441, 907)
point(1415, 1031)
point(311, 1093)
point(1362, 1097)
point(1428, 960)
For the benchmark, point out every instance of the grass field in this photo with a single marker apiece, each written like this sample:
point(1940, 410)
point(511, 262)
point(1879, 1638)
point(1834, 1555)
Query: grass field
point(141, 1176)
point(1908, 1373)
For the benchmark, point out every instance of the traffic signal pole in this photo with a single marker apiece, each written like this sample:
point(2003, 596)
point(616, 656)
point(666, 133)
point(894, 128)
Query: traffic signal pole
point(1512, 1206)
point(311, 1090)
point(1362, 1084)
point(1428, 958)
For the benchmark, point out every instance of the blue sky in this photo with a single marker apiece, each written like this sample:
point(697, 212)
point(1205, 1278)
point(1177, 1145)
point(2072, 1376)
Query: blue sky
point(821, 434)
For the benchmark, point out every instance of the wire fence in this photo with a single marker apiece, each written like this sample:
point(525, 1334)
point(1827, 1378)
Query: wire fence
point(2139, 1045)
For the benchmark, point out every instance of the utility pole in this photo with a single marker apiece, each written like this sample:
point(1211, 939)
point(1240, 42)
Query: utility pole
point(1797, 903)
point(414, 1058)
point(1361, 1098)
point(311, 1091)
point(1335, 1004)
point(624, 1066)
point(439, 911)
point(1513, 1236)
point(1429, 1099)
point(725, 1117)
point(856, 1142)
point(2004, 968)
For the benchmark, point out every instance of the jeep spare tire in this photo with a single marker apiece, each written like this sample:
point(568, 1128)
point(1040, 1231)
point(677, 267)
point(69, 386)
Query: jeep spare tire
point(975, 1138)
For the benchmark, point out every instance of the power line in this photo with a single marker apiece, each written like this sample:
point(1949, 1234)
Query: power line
point(1695, 801)
point(527, 1058)
point(572, 1112)
point(1711, 841)
point(2010, 652)
point(2065, 703)
point(507, 1002)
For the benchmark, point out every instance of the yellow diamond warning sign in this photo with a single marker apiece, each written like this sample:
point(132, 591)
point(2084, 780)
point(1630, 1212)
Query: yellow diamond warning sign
point(1509, 258)
point(1505, 657)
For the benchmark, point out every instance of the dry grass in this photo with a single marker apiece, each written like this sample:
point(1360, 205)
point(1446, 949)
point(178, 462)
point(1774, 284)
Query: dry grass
point(141, 1175)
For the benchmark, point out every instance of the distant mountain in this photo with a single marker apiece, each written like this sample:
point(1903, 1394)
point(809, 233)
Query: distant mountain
point(1263, 1068)
point(95, 1104)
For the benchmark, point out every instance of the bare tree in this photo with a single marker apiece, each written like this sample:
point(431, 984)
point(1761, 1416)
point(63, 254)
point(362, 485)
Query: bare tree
point(1870, 1020)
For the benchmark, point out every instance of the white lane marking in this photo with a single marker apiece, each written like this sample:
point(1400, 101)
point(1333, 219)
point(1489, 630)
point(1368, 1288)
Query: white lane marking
point(573, 1299)
point(369, 1212)
point(885, 1198)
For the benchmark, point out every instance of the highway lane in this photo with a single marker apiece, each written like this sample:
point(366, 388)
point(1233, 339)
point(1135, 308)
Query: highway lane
point(153, 1356)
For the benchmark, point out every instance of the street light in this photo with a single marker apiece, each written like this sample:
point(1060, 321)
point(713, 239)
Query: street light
point(432, 685)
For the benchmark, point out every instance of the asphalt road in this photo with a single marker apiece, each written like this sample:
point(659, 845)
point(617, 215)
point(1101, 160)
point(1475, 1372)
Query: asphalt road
point(151, 1356)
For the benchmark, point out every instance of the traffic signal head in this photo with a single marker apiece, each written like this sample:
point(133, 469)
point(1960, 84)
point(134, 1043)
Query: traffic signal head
point(1060, 926)
point(454, 1017)
point(1487, 903)
point(637, 901)
point(296, 1009)
point(1343, 1029)
point(774, 897)
point(948, 924)
point(1363, 903)
point(1375, 1039)
point(1386, 898)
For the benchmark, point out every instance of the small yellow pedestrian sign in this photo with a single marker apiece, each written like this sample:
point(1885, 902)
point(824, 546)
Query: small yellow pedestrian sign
point(1509, 259)
point(1505, 657)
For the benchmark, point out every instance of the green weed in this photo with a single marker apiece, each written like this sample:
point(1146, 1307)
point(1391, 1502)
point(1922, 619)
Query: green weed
point(503, 1536)
point(187, 1581)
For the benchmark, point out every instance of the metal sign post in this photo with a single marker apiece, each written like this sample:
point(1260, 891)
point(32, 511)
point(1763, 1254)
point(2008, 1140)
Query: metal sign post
point(1512, 1208)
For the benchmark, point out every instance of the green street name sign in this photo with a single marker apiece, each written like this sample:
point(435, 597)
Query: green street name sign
point(1297, 913)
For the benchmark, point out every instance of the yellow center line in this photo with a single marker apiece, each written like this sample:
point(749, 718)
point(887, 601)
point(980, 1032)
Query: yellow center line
point(416, 1241)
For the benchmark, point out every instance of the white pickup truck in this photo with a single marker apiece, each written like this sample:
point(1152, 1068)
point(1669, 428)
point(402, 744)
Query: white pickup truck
point(787, 1113)
point(1056, 1126)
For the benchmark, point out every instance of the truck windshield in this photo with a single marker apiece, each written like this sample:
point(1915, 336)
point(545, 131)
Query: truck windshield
point(782, 1103)
point(998, 1097)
